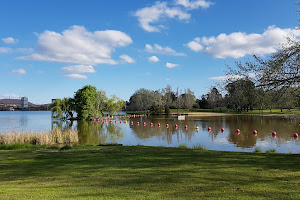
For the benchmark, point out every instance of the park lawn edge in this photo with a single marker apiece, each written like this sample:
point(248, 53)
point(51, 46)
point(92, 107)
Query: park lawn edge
point(142, 172)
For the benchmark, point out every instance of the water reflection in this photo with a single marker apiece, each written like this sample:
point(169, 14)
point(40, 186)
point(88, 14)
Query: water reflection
point(100, 133)
point(127, 134)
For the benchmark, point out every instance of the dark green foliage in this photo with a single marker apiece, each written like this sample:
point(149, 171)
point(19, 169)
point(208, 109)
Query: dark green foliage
point(257, 150)
point(85, 98)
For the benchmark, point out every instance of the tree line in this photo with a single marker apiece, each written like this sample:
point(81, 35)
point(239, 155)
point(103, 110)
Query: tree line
point(161, 101)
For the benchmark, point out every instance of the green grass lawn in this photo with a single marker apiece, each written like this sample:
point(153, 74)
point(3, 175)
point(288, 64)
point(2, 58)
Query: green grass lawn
point(138, 172)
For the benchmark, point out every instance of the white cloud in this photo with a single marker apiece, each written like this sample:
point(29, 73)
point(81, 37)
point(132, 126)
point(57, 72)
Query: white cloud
point(230, 77)
point(170, 65)
point(5, 50)
point(9, 96)
point(195, 45)
point(126, 59)
point(153, 59)
point(162, 50)
point(76, 76)
point(148, 74)
point(24, 50)
point(168, 79)
point(240, 44)
point(76, 45)
point(19, 71)
point(10, 40)
point(194, 4)
point(18, 50)
point(78, 69)
point(149, 15)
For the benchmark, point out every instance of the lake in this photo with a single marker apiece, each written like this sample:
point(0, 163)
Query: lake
point(101, 133)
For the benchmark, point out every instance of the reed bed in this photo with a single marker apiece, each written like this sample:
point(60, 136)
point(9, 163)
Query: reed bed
point(53, 137)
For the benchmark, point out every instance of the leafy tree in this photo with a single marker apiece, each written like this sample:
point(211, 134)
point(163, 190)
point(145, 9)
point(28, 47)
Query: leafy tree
point(100, 104)
point(143, 99)
point(281, 69)
point(68, 107)
point(214, 98)
point(203, 102)
point(56, 110)
point(114, 104)
point(169, 98)
point(157, 103)
point(241, 94)
point(85, 101)
point(188, 99)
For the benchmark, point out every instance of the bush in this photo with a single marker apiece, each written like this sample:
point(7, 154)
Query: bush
point(271, 151)
point(198, 147)
point(183, 146)
point(257, 150)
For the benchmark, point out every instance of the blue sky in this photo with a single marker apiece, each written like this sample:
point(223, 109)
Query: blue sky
point(50, 49)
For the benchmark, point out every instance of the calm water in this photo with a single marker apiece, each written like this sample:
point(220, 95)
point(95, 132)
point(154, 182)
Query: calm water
point(127, 134)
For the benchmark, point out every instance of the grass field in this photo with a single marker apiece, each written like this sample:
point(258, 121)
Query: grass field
point(138, 172)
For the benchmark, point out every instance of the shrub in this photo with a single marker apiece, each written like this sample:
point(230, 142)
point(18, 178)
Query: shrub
point(199, 147)
point(257, 150)
point(183, 146)
point(271, 151)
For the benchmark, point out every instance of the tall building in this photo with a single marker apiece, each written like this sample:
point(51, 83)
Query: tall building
point(24, 102)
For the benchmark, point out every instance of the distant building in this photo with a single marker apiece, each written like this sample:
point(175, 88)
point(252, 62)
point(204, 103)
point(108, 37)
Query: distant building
point(24, 102)
point(53, 101)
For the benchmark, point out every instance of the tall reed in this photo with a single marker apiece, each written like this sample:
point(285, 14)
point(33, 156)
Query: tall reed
point(55, 136)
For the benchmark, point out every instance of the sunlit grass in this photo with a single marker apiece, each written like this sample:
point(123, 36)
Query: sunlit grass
point(139, 172)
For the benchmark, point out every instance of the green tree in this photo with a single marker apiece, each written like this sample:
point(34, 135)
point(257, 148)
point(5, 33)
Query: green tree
point(114, 104)
point(100, 104)
point(241, 94)
point(188, 99)
point(141, 100)
point(68, 108)
point(85, 101)
point(56, 110)
point(214, 98)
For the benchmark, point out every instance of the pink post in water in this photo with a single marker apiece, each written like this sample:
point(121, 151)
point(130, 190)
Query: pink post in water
point(296, 136)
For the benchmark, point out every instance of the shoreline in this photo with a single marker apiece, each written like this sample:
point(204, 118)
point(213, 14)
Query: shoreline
point(213, 114)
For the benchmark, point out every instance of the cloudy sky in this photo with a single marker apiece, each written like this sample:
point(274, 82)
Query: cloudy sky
point(50, 49)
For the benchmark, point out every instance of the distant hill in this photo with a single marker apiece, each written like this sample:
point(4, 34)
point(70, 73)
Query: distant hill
point(14, 101)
